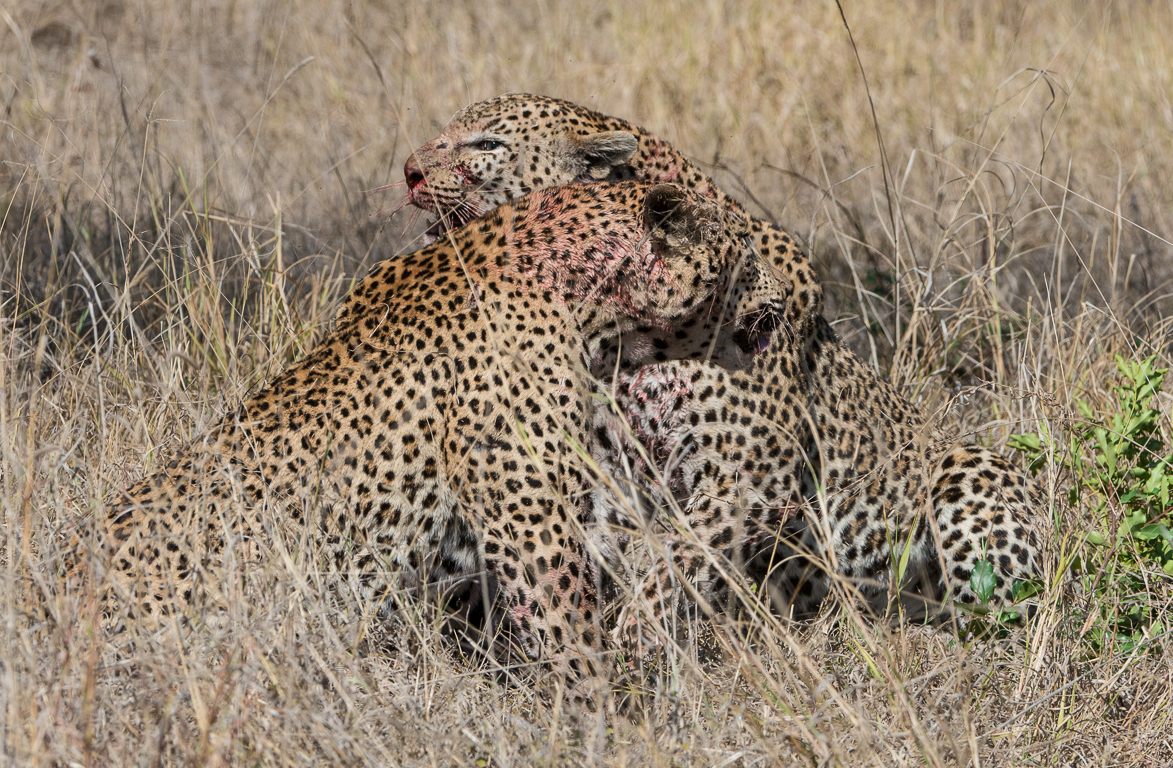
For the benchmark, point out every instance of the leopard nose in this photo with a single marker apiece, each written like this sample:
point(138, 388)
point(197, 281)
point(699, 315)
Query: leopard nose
point(412, 173)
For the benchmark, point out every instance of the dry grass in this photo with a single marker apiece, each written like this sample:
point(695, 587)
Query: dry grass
point(183, 202)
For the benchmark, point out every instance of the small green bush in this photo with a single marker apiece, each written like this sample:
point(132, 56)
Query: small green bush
point(1122, 470)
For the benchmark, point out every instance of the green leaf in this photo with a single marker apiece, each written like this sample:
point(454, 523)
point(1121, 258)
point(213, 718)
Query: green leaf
point(1107, 450)
point(1165, 533)
point(1025, 443)
point(1148, 532)
point(1132, 523)
point(1033, 446)
point(983, 581)
point(1025, 589)
point(1009, 615)
point(1130, 496)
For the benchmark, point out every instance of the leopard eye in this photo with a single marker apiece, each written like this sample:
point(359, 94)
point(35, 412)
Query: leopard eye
point(487, 145)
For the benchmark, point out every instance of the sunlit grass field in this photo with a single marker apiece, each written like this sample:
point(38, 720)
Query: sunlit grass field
point(186, 194)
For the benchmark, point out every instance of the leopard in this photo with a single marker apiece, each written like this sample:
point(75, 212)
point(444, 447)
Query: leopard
point(440, 433)
point(862, 485)
point(805, 469)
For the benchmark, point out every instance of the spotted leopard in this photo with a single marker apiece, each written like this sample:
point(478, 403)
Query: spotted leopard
point(807, 464)
point(437, 433)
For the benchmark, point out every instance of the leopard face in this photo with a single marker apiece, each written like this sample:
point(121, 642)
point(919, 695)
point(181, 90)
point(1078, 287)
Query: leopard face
point(496, 151)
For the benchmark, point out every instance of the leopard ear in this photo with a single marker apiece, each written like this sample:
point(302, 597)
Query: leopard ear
point(663, 205)
point(674, 219)
point(603, 153)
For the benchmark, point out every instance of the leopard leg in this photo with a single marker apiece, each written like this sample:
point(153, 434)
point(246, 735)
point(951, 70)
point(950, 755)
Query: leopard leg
point(984, 508)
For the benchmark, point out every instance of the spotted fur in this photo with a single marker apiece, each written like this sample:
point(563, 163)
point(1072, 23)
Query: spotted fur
point(496, 150)
point(436, 435)
point(804, 466)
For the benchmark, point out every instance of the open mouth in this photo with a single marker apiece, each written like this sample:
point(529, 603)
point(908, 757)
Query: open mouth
point(750, 342)
point(448, 221)
point(754, 333)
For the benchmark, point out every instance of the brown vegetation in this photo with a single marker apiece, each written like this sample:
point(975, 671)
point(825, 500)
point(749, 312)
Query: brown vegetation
point(184, 199)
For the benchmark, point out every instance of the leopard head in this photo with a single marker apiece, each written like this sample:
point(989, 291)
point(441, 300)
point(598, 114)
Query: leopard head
point(501, 149)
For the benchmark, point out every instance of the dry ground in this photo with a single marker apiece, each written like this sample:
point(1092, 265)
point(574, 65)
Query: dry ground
point(184, 199)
